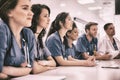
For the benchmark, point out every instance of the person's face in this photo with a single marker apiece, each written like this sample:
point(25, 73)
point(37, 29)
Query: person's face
point(21, 15)
point(93, 31)
point(111, 30)
point(73, 34)
point(68, 23)
point(44, 18)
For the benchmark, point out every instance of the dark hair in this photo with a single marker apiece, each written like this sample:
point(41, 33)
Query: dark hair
point(55, 26)
point(107, 25)
point(37, 9)
point(88, 25)
point(66, 37)
point(5, 7)
point(73, 26)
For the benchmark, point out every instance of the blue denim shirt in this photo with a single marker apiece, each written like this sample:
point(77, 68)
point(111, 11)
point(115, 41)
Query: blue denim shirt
point(55, 45)
point(83, 45)
point(10, 53)
point(42, 53)
point(71, 51)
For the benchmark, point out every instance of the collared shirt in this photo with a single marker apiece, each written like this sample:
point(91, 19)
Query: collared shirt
point(55, 45)
point(105, 45)
point(114, 44)
point(10, 53)
point(71, 51)
point(42, 53)
point(83, 45)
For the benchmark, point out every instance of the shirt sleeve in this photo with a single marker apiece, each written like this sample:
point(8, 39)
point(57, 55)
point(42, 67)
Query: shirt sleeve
point(54, 47)
point(46, 52)
point(102, 46)
point(80, 46)
point(3, 45)
point(68, 52)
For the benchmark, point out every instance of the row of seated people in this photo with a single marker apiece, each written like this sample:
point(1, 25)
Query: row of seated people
point(22, 50)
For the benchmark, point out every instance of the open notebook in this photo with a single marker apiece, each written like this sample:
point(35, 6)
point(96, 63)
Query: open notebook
point(39, 77)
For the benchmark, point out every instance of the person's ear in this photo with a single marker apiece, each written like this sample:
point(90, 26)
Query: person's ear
point(61, 24)
point(10, 13)
point(87, 31)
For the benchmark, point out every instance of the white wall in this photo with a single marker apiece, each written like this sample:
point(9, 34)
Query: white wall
point(117, 25)
point(72, 6)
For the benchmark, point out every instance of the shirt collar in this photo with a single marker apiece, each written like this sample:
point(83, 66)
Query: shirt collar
point(84, 36)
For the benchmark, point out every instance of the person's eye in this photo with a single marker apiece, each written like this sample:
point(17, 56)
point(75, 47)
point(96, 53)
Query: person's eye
point(69, 19)
point(46, 16)
point(26, 7)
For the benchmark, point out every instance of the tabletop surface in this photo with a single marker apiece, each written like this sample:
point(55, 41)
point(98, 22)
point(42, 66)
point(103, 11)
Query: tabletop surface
point(109, 72)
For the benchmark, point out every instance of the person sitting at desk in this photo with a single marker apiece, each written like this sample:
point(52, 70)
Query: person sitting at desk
point(40, 22)
point(54, 42)
point(109, 43)
point(71, 35)
point(16, 41)
point(87, 43)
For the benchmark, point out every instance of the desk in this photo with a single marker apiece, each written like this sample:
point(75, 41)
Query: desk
point(85, 73)
point(108, 73)
point(39, 77)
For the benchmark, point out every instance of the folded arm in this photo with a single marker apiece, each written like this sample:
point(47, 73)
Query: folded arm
point(16, 71)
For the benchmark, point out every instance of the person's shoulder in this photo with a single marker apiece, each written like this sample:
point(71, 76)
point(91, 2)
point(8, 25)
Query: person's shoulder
point(116, 39)
point(1, 22)
point(28, 33)
point(82, 37)
point(4, 28)
point(3, 25)
point(27, 30)
point(104, 38)
point(53, 36)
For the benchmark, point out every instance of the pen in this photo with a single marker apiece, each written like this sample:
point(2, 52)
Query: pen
point(111, 67)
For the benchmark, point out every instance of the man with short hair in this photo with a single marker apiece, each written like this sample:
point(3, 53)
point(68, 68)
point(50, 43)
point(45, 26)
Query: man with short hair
point(87, 43)
point(109, 43)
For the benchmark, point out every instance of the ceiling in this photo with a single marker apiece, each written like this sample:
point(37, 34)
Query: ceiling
point(106, 12)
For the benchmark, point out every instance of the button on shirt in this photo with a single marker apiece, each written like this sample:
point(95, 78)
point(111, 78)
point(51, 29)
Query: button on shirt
point(10, 53)
point(83, 45)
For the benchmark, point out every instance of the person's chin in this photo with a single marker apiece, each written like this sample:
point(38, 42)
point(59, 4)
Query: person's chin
point(70, 28)
point(28, 25)
point(94, 36)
